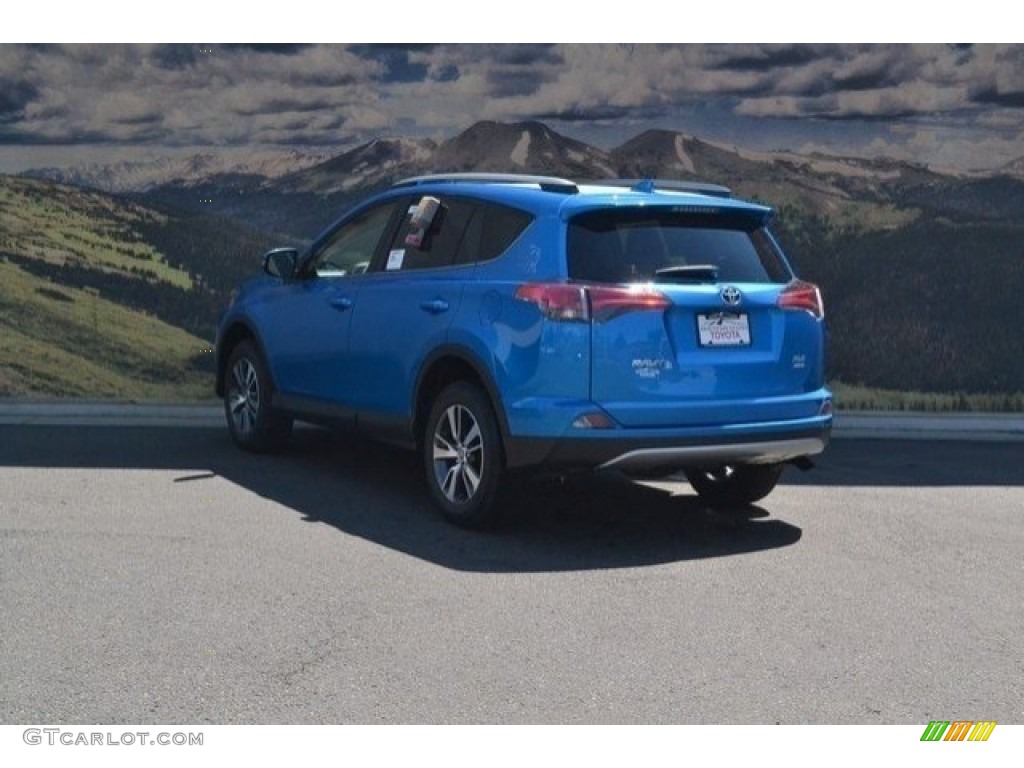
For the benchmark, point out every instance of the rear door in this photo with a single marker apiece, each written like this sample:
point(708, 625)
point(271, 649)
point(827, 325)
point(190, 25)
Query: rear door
point(720, 350)
point(407, 302)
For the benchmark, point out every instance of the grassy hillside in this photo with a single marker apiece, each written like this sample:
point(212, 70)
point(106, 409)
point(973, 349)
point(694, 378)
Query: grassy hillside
point(60, 339)
point(64, 225)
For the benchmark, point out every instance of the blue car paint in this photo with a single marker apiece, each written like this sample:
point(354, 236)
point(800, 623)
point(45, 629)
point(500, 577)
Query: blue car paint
point(542, 375)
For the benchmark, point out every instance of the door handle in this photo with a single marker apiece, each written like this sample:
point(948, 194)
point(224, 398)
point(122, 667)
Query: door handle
point(435, 306)
point(341, 303)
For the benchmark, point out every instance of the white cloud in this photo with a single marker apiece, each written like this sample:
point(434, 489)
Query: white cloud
point(188, 95)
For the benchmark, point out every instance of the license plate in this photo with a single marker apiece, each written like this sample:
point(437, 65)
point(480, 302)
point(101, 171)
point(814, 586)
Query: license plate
point(723, 329)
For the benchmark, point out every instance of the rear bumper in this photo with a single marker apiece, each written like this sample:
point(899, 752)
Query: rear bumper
point(771, 452)
point(648, 449)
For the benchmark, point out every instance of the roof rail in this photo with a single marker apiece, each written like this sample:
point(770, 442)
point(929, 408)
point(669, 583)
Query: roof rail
point(673, 185)
point(547, 183)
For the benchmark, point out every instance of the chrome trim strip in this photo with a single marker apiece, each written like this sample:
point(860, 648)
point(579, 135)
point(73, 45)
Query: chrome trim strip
point(730, 453)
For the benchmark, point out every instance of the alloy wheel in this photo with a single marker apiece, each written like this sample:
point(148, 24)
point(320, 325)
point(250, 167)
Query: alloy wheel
point(458, 454)
point(244, 396)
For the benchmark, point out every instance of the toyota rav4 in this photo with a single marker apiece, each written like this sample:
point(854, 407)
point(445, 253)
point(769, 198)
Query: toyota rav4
point(497, 322)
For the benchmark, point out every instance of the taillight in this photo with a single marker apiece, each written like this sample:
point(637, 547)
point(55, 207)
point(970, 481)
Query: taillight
point(608, 301)
point(569, 302)
point(556, 301)
point(801, 295)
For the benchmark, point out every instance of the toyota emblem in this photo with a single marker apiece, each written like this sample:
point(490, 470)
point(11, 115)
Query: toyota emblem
point(731, 295)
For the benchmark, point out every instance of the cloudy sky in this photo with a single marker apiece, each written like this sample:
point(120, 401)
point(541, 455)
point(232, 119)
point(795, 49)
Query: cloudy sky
point(954, 106)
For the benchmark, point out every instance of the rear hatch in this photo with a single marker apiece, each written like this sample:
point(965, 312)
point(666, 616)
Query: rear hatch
point(696, 317)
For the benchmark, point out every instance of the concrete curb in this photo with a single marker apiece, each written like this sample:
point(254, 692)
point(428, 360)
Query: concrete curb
point(999, 427)
point(87, 413)
point(1007, 427)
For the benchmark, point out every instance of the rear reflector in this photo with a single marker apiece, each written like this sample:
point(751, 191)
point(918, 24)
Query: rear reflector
point(570, 302)
point(593, 420)
point(801, 295)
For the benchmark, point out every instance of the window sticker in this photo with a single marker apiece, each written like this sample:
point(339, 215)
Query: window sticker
point(421, 221)
point(395, 258)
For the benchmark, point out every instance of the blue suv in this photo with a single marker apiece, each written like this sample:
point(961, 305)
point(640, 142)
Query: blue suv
point(498, 322)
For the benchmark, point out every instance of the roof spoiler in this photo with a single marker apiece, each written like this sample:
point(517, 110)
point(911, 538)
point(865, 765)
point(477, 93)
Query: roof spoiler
point(671, 185)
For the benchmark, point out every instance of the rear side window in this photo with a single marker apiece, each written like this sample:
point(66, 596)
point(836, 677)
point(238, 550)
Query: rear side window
point(438, 244)
point(462, 231)
point(493, 229)
point(621, 246)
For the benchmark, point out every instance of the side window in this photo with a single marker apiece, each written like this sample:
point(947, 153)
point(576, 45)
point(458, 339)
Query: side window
point(350, 249)
point(438, 245)
point(493, 229)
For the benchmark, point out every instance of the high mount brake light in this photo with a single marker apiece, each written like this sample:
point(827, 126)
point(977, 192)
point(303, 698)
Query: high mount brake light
point(802, 295)
point(582, 303)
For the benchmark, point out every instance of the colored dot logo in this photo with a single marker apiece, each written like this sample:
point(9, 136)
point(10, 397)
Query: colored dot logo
point(205, 200)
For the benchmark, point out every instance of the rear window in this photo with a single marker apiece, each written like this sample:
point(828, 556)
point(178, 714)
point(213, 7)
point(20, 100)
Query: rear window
point(621, 246)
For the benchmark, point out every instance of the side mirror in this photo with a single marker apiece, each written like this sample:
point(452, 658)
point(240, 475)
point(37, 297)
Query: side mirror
point(281, 262)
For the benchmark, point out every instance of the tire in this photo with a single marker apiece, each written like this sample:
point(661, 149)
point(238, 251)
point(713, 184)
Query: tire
point(463, 457)
point(735, 484)
point(248, 390)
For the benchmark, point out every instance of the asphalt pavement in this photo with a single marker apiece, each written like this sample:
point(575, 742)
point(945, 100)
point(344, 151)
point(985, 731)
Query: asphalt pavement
point(159, 575)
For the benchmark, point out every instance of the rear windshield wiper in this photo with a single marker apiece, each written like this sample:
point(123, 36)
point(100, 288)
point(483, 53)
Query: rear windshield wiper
point(687, 273)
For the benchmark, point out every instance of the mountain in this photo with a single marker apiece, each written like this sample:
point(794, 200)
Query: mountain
point(669, 154)
point(851, 192)
point(144, 175)
point(89, 306)
point(527, 147)
point(295, 196)
point(368, 166)
point(232, 187)
point(299, 204)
